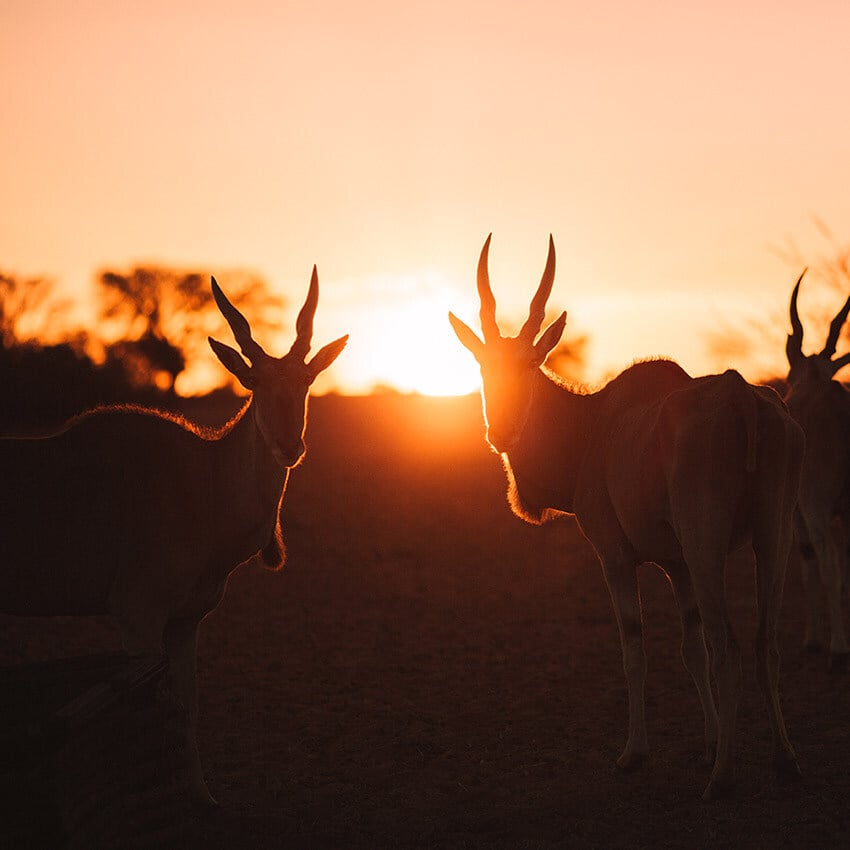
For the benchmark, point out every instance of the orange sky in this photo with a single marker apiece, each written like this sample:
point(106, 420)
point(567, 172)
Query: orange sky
point(667, 146)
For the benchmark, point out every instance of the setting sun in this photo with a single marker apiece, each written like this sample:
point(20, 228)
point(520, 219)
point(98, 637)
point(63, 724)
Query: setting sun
point(400, 337)
point(383, 141)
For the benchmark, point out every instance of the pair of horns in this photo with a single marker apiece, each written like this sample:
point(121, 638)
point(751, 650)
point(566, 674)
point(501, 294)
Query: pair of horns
point(537, 310)
point(242, 330)
point(794, 346)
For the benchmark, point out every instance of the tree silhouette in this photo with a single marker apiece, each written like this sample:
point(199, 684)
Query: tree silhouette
point(26, 302)
point(569, 356)
point(759, 340)
point(46, 375)
point(826, 284)
point(156, 319)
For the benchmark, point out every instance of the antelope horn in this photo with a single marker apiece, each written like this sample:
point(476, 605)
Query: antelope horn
point(488, 301)
point(238, 325)
point(537, 310)
point(794, 345)
point(304, 322)
point(835, 329)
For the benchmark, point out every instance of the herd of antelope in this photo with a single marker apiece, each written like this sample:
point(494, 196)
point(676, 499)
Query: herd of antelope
point(148, 514)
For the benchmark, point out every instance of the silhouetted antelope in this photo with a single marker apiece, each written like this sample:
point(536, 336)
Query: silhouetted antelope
point(822, 407)
point(656, 467)
point(143, 516)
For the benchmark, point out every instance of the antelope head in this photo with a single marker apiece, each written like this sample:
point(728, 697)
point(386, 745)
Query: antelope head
point(279, 384)
point(509, 365)
point(819, 366)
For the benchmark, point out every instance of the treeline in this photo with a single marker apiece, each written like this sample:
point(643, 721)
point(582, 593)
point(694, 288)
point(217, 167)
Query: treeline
point(150, 325)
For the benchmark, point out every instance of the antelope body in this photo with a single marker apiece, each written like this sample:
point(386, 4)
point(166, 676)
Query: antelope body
point(143, 516)
point(822, 407)
point(656, 467)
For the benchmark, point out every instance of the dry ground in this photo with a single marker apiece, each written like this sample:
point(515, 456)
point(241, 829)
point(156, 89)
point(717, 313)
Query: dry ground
point(429, 671)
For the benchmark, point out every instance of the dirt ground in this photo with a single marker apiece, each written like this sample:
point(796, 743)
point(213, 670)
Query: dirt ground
point(429, 671)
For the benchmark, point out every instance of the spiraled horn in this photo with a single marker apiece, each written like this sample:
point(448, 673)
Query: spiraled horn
point(304, 322)
point(487, 314)
point(238, 325)
point(537, 310)
point(835, 329)
point(794, 344)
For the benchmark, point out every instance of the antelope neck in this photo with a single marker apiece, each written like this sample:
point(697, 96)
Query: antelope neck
point(547, 457)
point(250, 461)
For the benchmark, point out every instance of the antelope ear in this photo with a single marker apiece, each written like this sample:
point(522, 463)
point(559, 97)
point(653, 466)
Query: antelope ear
point(839, 363)
point(233, 362)
point(468, 338)
point(325, 356)
point(550, 338)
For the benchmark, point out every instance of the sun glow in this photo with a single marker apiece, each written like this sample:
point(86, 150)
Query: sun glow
point(400, 337)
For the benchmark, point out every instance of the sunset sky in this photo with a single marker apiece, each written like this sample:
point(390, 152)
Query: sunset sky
point(670, 148)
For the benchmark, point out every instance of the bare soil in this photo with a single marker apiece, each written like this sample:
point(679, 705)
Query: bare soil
point(429, 671)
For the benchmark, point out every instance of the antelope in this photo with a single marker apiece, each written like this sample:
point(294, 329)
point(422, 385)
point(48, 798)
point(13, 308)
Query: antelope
point(821, 406)
point(656, 467)
point(143, 516)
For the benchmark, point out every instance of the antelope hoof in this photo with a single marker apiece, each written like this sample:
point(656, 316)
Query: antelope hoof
point(839, 662)
point(710, 753)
